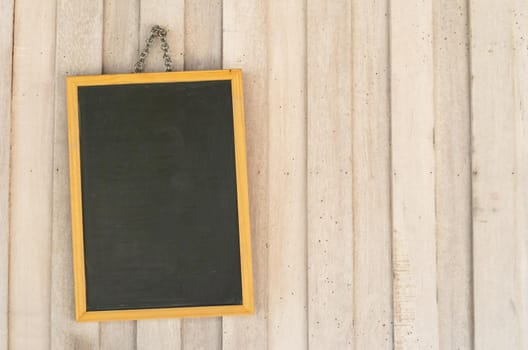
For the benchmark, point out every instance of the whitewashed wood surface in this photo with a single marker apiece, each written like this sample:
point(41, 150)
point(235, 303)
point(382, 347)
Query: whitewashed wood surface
point(387, 161)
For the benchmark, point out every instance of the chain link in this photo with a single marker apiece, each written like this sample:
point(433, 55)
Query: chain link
point(160, 32)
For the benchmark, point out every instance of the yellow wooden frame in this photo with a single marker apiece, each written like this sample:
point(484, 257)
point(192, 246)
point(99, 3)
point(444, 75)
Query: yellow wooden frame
point(72, 84)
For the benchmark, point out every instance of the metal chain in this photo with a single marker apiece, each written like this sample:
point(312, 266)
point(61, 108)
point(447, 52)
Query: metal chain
point(160, 32)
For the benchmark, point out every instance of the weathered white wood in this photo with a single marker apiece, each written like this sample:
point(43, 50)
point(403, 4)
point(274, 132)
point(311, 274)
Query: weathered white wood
point(203, 34)
point(372, 286)
point(329, 166)
point(121, 35)
point(287, 323)
point(413, 175)
point(520, 70)
point(170, 15)
point(244, 46)
point(79, 45)
point(31, 174)
point(347, 65)
point(453, 174)
point(120, 53)
point(6, 54)
point(499, 65)
point(202, 334)
point(161, 334)
point(117, 335)
point(203, 28)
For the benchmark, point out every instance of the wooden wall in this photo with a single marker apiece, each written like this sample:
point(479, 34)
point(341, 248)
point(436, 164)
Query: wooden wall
point(388, 168)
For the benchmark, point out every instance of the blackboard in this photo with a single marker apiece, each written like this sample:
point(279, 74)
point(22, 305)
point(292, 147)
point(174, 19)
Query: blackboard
point(160, 220)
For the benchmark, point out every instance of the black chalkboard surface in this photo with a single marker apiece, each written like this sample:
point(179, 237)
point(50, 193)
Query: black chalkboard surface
point(159, 195)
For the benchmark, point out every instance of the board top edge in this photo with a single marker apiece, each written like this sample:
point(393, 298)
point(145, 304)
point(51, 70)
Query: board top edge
point(153, 77)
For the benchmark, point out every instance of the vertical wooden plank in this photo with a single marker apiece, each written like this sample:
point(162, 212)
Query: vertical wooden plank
point(31, 174)
point(520, 70)
point(371, 176)
point(202, 334)
point(6, 55)
point(499, 66)
point(79, 45)
point(120, 53)
point(161, 334)
point(452, 144)
point(287, 324)
point(170, 15)
point(245, 46)
point(329, 166)
point(121, 35)
point(117, 335)
point(203, 34)
point(413, 175)
point(203, 50)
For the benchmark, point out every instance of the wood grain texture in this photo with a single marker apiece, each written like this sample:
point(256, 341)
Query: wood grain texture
point(372, 286)
point(170, 15)
point(329, 175)
point(203, 34)
point(439, 195)
point(117, 335)
point(121, 46)
point(287, 271)
point(163, 334)
point(244, 46)
point(159, 334)
point(202, 334)
point(6, 55)
point(413, 175)
point(499, 59)
point(79, 45)
point(203, 24)
point(520, 69)
point(121, 43)
point(452, 145)
point(31, 175)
